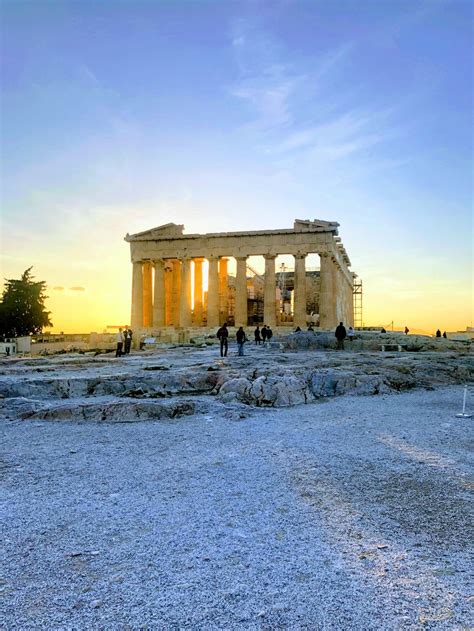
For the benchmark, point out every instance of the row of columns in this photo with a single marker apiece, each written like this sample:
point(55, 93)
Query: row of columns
point(170, 301)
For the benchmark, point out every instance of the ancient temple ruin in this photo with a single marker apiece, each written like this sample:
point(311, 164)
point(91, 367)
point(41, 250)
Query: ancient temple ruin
point(169, 288)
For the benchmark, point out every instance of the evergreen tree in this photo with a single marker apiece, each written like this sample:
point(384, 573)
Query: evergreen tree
point(22, 310)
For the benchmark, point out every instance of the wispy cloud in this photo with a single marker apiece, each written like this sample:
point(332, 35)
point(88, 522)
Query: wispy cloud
point(77, 288)
point(294, 108)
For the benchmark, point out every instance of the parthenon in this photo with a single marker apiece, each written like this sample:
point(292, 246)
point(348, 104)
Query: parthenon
point(168, 288)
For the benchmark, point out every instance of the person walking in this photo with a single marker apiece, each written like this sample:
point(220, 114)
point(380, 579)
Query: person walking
point(341, 335)
point(119, 340)
point(350, 334)
point(258, 337)
point(264, 333)
point(223, 335)
point(241, 339)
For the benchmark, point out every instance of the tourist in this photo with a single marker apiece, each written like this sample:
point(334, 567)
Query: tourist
point(241, 339)
point(445, 335)
point(258, 337)
point(341, 335)
point(438, 333)
point(264, 333)
point(350, 334)
point(119, 339)
point(222, 335)
point(298, 329)
point(128, 343)
point(407, 330)
point(269, 333)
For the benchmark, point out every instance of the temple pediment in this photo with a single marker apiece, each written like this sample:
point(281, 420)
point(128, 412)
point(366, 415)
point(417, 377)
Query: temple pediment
point(160, 232)
point(314, 225)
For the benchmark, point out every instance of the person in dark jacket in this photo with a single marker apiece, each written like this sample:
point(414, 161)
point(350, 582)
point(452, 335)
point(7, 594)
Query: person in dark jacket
point(269, 333)
point(241, 339)
point(264, 333)
point(340, 334)
point(438, 333)
point(223, 335)
point(128, 341)
point(258, 337)
point(445, 335)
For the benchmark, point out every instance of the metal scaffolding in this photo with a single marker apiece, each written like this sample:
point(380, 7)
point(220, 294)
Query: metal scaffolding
point(357, 291)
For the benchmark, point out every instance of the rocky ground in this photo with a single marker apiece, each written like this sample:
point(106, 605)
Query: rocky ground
point(173, 489)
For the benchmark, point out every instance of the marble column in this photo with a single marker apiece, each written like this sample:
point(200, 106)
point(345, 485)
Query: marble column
point(241, 316)
point(213, 293)
point(147, 295)
point(299, 316)
point(185, 302)
point(327, 303)
point(198, 298)
point(159, 294)
point(269, 291)
point(176, 293)
point(136, 320)
point(223, 291)
point(168, 293)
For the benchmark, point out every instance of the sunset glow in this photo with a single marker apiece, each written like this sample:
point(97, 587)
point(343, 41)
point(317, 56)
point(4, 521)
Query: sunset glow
point(239, 116)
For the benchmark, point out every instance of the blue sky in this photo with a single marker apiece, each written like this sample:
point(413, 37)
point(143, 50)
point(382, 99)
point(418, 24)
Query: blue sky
point(119, 116)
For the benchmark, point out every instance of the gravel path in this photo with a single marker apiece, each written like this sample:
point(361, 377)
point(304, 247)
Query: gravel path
point(352, 513)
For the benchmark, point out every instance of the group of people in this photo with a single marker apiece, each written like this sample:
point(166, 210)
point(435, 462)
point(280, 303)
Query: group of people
point(438, 334)
point(263, 334)
point(124, 342)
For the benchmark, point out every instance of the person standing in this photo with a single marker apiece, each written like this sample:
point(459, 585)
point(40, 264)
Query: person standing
point(264, 333)
point(119, 339)
point(127, 341)
point(223, 335)
point(241, 339)
point(258, 337)
point(438, 333)
point(445, 335)
point(269, 333)
point(341, 335)
point(350, 334)
point(407, 330)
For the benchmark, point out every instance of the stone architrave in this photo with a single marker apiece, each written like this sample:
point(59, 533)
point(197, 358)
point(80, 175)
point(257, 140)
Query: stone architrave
point(269, 291)
point(213, 293)
point(147, 295)
point(136, 320)
point(185, 302)
point(159, 309)
point(198, 295)
point(241, 315)
point(176, 292)
point(299, 317)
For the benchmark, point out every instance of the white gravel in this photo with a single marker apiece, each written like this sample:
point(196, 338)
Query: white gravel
point(347, 514)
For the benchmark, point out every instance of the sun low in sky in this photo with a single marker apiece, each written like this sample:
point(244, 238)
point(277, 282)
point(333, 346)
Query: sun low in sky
point(241, 115)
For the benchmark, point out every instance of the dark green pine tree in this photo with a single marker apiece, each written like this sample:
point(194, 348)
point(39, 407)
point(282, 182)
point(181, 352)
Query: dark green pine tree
point(22, 310)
